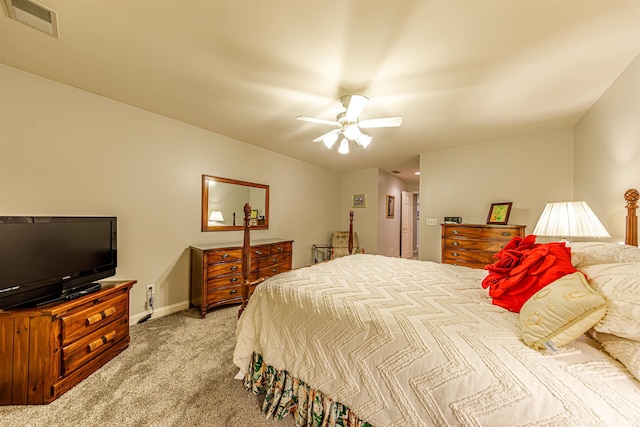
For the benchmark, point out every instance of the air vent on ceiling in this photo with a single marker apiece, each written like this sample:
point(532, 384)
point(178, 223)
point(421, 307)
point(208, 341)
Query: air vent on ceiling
point(395, 171)
point(34, 15)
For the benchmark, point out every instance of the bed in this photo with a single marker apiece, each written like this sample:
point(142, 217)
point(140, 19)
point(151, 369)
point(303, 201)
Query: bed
point(372, 340)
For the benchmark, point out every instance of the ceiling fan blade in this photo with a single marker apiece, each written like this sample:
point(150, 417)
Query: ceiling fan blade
point(321, 137)
point(314, 120)
point(354, 106)
point(385, 122)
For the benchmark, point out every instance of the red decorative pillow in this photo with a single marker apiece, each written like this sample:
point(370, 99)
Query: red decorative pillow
point(523, 268)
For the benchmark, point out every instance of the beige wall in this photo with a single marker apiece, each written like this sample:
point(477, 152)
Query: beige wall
point(529, 170)
point(377, 233)
point(365, 220)
point(68, 152)
point(595, 161)
point(389, 228)
point(607, 150)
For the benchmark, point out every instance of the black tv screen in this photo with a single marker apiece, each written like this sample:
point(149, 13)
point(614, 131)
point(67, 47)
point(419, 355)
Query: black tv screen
point(43, 258)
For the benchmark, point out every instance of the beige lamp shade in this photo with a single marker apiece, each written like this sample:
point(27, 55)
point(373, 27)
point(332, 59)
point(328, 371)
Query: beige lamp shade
point(216, 217)
point(569, 219)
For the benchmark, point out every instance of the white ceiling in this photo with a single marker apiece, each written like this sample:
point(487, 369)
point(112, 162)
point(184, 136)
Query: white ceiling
point(459, 72)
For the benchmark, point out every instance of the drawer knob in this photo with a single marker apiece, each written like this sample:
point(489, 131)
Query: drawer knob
point(455, 254)
point(274, 260)
point(224, 256)
point(93, 345)
point(280, 248)
point(233, 280)
point(505, 233)
point(455, 243)
point(233, 291)
point(100, 316)
point(258, 252)
point(275, 270)
point(454, 231)
point(234, 268)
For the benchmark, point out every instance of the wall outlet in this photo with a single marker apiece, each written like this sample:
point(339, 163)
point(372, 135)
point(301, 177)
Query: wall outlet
point(151, 291)
point(432, 221)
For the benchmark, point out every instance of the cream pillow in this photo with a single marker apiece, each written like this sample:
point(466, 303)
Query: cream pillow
point(561, 312)
point(626, 351)
point(591, 253)
point(620, 283)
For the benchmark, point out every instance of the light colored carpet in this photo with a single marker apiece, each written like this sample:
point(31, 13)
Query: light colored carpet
point(177, 371)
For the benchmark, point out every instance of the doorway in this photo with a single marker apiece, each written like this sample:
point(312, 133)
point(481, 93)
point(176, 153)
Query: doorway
point(409, 221)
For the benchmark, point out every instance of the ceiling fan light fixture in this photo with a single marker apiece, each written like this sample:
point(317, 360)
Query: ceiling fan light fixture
point(344, 146)
point(351, 131)
point(330, 139)
point(364, 140)
point(348, 124)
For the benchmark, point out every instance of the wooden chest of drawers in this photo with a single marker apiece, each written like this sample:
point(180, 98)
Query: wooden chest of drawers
point(474, 245)
point(216, 270)
point(45, 351)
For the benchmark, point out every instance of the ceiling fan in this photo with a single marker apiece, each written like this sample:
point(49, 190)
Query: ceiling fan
point(348, 124)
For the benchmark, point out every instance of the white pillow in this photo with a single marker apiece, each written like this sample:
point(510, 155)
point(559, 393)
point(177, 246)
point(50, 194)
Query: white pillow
point(626, 351)
point(590, 253)
point(620, 283)
point(561, 312)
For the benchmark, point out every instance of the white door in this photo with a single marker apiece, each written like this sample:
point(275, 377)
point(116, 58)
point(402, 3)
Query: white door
point(406, 225)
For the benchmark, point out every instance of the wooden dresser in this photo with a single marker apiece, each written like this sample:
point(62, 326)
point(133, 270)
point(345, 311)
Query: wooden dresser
point(474, 245)
point(216, 270)
point(45, 351)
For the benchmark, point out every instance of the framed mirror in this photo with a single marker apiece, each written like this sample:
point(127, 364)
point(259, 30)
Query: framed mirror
point(223, 202)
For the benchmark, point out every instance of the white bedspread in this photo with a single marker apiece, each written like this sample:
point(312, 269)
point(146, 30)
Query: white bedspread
point(413, 343)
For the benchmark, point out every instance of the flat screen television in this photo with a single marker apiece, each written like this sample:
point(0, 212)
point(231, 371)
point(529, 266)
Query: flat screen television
point(43, 259)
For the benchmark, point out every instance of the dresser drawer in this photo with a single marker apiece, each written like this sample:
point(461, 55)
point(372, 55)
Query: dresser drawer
point(468, 244)
point(278, 248)
point(223, 295)
point(468, 256)
point(272, 270)
point(260, 251)
point(223, 281)
point(273, 260)
point(80, 352)
point(224, 268)
point(483, 233)
point(93, 317)
point(223, 255)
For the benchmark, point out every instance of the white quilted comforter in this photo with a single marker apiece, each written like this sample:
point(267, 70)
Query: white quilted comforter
point(413, 343)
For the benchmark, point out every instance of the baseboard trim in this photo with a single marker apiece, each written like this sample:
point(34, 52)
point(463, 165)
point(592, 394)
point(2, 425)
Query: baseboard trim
point(159, 312)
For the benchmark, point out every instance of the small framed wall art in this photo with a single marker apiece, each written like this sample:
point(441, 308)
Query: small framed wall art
point(499, 213)
point(391, 206)
point(358, 200)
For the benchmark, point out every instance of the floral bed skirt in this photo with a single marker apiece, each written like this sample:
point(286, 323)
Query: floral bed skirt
point(285, 394)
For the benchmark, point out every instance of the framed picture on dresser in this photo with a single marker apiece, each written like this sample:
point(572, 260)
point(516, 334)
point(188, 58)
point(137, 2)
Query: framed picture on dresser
point(499, 213)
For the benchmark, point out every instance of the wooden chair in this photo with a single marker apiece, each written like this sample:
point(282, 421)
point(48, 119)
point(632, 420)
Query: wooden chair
point(340, 244)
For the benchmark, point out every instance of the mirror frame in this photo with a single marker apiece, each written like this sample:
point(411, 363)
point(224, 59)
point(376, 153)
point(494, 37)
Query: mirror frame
point(205, 205)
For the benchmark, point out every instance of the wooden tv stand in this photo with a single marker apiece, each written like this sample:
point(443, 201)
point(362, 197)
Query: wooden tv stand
point(45, 351)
